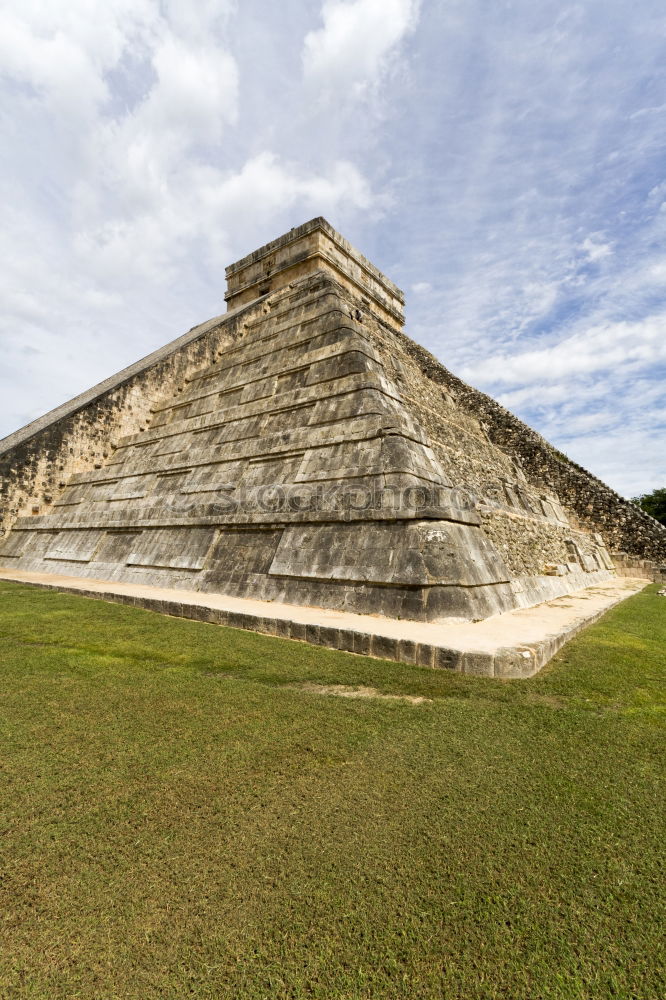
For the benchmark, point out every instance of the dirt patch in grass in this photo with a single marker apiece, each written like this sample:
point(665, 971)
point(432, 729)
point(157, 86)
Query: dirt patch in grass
point(342, 691)
point(550, 700)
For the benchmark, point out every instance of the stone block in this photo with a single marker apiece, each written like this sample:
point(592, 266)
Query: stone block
point(329, 637)
point(544, 651)
point(362, 643)
point(515, 663)
point(283, 627)
point(214, 616)
point(312, 634)
point(407, 651)
point(555, 569)
point(236, 619)
point(152, 604)
point(298, 630)
point(385, 647)
point(478, 664)
point(195, 611)
point(425, 655)
point(173, 608)
point(347, 640)
point(447, 659)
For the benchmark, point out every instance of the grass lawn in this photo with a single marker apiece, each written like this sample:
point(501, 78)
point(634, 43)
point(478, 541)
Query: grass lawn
point(182, 817)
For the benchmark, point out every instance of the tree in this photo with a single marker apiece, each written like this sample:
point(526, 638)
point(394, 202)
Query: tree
point(654, 504)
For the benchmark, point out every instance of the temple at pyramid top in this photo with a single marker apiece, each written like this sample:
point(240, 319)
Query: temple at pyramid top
point(314, 246)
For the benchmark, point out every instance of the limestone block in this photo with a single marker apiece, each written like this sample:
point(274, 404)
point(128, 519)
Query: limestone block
point(448, 659)
point(385, 647)
point(478, 664)
point(347, 640)
point(407, 651)
point(173, 608)
point(313, 634)
point(298, 630)
point(516, 663)
point(330, 637)
point(425, 655)
point(283, 628)
point(362, 643)
point(171, 548)
point(555, 569)
point(11, 546)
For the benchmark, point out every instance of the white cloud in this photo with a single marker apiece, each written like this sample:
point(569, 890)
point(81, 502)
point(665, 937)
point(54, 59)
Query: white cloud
point(200, 22)
point(58, 69)
point(609, 346)
point(421, 287)
point(134, 159)
point(277, 185)
point(357, 36)
point(655, 110)
point(195, 94)
point(656, 271)
point(595, 250)
point(199, 208)
point(151, 186)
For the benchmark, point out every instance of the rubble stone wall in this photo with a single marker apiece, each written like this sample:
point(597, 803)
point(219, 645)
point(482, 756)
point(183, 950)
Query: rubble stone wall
point(624, 527)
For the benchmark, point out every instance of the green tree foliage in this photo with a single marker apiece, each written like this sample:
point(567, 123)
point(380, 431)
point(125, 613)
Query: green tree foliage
point(653, 503)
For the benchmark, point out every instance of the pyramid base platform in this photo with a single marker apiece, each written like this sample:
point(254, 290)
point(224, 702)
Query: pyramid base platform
point(516, 644)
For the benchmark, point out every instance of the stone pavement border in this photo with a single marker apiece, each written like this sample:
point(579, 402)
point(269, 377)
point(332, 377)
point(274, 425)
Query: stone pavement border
point(516, 644)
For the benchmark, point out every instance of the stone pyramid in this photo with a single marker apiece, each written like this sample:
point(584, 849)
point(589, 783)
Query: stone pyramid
point(301, 449)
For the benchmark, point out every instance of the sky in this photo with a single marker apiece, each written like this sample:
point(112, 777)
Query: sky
point(503, 162)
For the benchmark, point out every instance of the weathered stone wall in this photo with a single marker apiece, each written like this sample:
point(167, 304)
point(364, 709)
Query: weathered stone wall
point(37, 461)
point(623, 526)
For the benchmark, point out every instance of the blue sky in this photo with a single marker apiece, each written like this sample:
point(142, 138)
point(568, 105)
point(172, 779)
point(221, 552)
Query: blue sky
point(504, 162)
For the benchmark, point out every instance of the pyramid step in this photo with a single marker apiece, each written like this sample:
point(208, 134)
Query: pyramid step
point(300, 406)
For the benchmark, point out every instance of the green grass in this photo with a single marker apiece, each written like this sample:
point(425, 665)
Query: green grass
point(180, 820)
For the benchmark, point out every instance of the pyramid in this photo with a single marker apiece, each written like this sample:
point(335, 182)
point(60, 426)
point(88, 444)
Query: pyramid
point(302, 449)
